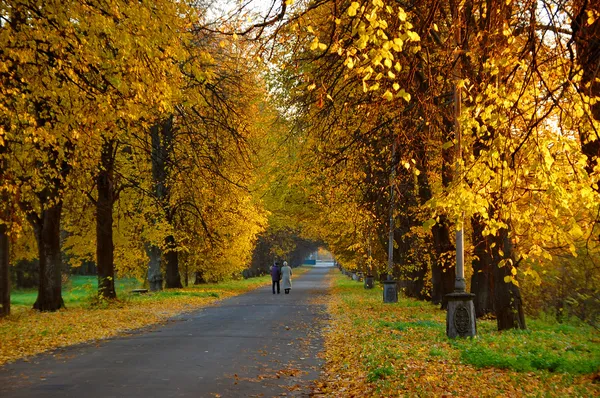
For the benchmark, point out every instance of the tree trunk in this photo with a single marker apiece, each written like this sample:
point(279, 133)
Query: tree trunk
point(507, 296)
point(161, 135)
point(172, 264)
point(587, 42)
point(443, 271)
point(104, 223)
point(4, 246)
point(186, 273)
point(155, 278)
point(47, 234)
point(482, 281)
point(4, 272)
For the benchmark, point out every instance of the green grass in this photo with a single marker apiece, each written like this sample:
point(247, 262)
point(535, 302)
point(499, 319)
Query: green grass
point(82, 290)
point(78, 292)
point(571, 347)
point(380, 373)
point(555, 348)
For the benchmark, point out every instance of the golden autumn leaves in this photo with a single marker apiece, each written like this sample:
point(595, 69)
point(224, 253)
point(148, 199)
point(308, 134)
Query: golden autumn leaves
point(370, 53)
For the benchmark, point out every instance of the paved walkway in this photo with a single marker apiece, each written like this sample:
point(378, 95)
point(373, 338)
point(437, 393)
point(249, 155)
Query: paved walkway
point(254, 345)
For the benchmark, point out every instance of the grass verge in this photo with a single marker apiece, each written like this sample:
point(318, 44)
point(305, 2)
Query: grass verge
point(27, 332)
point(377, 349)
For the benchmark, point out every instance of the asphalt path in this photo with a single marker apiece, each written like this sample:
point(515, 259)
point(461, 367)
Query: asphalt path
point(253, 345)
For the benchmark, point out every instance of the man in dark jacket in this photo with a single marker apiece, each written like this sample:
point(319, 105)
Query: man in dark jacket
point(275, 276)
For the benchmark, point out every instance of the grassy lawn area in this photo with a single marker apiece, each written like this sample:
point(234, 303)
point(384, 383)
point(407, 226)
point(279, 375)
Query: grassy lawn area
point(28, 332)
point(377, 349)
point(80, 291)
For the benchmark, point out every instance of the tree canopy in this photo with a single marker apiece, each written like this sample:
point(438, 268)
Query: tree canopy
point(165, 139)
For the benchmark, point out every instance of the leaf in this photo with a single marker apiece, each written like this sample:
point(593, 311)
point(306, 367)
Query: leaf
point(447, 144)
point(315, 44)
point(403, 94)
point(429, 224)
point(401, 14)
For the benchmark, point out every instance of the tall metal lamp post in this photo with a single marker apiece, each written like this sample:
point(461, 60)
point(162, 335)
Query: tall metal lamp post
point(460, 318)
point(390, 287)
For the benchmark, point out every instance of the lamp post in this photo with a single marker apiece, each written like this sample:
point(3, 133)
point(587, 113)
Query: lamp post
point(460, 318)
point(369, 279)
point(390, 288)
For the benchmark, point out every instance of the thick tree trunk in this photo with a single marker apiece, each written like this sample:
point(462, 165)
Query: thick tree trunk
point(104, 223)
point(172, 264)
point(507, 295)
point(414, 280)
point(4, 272)
point(162, 150)
point(155, 278)
point(4, 243)
point(587, 42)
point(443, 271)
point(47, 234)
point(444, 247)
point(482, 281)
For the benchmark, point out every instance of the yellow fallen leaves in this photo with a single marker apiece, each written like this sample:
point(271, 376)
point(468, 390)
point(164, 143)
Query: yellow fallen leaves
point(27, 332)
point(381, 350)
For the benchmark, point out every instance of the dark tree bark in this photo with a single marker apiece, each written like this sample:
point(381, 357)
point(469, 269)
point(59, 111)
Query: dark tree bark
point(587, 43)
point(104, 222)
point(443, 269)
point(47, 234)
point(507, 295)
point(162, 135)
point(155, 278)
point(482, 280)
point(4, 272)
point(172, 263)
point(4, 244)
point(409, 255)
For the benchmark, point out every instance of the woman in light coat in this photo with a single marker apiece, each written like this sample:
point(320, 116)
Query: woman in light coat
point(286, 276)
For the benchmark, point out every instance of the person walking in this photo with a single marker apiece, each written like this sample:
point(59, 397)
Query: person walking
point(286, 276)
point(276, 276)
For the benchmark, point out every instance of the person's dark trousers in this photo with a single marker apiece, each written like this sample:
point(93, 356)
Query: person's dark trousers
point(276, 283)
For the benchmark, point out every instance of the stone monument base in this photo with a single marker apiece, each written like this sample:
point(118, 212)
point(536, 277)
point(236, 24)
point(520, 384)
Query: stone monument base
point(460, 318)
point(390, 291)
point(369, 282)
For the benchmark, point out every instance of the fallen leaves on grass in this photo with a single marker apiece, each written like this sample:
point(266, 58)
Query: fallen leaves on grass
point(381, 350)
point(28, 332)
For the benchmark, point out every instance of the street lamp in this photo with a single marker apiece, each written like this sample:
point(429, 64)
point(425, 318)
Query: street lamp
point(460, 318)
point(390, 288)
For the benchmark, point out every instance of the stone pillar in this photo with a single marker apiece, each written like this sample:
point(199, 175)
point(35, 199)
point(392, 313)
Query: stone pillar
point(460, 318)
point(390, 291)
point(369, 282)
